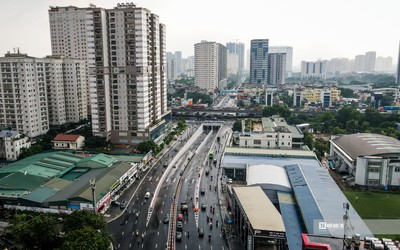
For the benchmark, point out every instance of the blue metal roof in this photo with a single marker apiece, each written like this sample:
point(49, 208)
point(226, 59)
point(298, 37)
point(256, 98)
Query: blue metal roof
point(321, 202)
point(291, 219)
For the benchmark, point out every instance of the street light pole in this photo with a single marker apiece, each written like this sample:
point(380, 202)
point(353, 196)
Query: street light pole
point(93, 185)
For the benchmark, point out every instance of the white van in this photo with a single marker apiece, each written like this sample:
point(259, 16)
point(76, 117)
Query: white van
point(147, 195)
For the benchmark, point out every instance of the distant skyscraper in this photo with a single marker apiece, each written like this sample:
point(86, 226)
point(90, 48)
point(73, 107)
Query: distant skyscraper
point(259, 61)
point(125, 51)
point(289, 55)
point(338, 66)
point(178, 58)
point(359, 63)
point(316, 69)
point(370, 58)
point(236, 63)
point(398, 67)
point(384, 64)
point(171, 67)
point(276, 68)
point(210, 63)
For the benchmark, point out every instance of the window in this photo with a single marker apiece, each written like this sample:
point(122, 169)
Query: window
point(373, 182)
point(397, 169)
point(373, 170)
point(258, 142)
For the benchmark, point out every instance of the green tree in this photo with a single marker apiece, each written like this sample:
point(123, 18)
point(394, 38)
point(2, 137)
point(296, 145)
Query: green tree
point(373, 117)
point(82, 218)
point(347, 113)
point(86, 238)
point(309, 140)
point(347, 93)
point(352, 126)
point(240, 104)
point(337, 131)
point(237, 126)
point(95, 142)
point(146, 146)
point(181, 124)
point(275, 109)
point(321, 147)
point(38, 232)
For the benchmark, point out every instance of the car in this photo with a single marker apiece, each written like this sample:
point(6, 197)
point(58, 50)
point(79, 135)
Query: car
point(180, 217)
point(147, 195)
point(122, 205)
point(207, 172)
point(165, 164)
point(179, 226)
point(115, 203)
point(166, 219)
point(229, 181)
point(178, 236)
point(200, 232)
point(203, 207)
point(203, 191)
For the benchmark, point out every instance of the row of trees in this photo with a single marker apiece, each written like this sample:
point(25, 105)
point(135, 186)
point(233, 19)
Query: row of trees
point(79, 230)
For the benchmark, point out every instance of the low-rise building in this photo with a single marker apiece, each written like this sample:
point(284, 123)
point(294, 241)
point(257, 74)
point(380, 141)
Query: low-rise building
point(325, 96)
point(272, 132)
point(62, 141)
point(12, 143)
point(372, 159)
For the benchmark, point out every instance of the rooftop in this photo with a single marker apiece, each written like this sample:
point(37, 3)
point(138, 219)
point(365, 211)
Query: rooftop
point(269, 174)
point(255, 204)
point(290, 153)
point(321, 200)
point(367, 144)
point(64, 137)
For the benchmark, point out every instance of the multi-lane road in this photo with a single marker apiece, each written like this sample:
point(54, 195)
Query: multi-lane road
point(141, 225)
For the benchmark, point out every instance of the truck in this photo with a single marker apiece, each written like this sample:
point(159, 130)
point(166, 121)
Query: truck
point(184, 207)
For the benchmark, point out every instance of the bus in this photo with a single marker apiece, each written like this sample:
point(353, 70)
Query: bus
point(211, 154)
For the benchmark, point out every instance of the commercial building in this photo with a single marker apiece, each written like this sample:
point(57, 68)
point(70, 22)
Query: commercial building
point(372, 159)
point(210, 63)
point(270, 132)
point(60, 181)
point(257, 229)
point(317, 69)
point(38, 92)
point(384, 64)
point(323, 96)
point(289, 56)
point(124, 48)
point(298, 186)
point(12, 143)
point(276, 68)
point(269, 96)
point(259, 61)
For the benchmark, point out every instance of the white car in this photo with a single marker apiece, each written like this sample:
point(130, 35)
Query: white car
point(229, 181)
point(147, 195)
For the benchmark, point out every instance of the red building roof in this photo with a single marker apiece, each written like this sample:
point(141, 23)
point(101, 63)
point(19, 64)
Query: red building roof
point(63, 137)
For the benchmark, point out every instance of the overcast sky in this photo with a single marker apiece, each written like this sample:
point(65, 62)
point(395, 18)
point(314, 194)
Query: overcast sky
point(316, 29)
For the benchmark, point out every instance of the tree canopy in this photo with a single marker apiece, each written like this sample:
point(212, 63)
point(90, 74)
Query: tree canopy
point(275, 109)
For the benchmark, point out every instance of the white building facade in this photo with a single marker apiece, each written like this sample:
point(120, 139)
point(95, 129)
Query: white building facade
point(12, 143)
point(317, 69)
point(125, 51)
point(39, 92)
point(276, 68)
point(289, 56)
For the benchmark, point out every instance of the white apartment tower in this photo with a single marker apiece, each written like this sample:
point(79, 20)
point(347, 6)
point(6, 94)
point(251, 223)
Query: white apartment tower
point(289, 56)
point(276, 68)
point(210, 65)
point(125, 51)
point(38, 92)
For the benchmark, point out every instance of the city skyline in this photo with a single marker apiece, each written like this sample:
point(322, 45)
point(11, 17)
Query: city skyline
point(334, 37)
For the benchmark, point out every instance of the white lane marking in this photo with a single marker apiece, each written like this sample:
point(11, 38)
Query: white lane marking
point(158, 233)
point(130, 245)
point(156, 245)
point(151, 177)
point(123, 232)
point(185, 246)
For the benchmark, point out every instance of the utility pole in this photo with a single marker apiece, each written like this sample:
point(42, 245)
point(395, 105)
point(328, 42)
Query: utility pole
point(93, 185)
point(346, 207)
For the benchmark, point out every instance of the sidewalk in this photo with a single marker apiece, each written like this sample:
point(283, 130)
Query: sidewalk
point(234, 242)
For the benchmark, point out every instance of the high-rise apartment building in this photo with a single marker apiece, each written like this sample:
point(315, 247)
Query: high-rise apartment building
point(398, 67)
point(289, 55)
point(259, 61)
point(210, 63)
point(316, 69)
point(125, 52)
point(171, 67)
point(359, 63)
point(370, 59)
point(236, 57)
point(38, 92)
point(338, 66)
point(384, 64)
point(178, 58)
point(276, 68)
